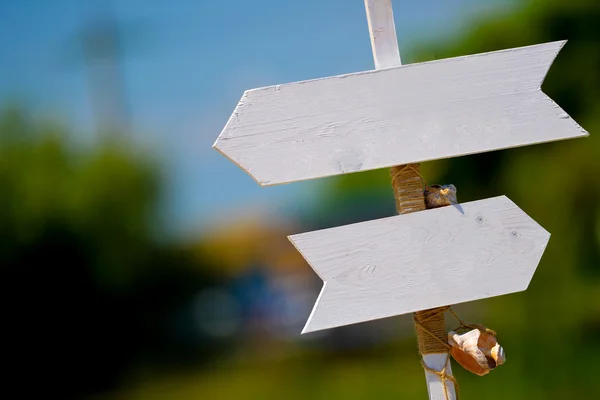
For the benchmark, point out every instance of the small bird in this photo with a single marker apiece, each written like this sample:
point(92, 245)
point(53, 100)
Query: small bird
point(440, 196)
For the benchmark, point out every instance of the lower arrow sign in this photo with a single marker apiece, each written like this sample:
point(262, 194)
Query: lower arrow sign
point(414, 262)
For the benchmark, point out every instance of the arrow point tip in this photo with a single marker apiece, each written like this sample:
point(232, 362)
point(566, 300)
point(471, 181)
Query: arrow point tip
point(308, 327)
point(217, 143)
point(560, 44)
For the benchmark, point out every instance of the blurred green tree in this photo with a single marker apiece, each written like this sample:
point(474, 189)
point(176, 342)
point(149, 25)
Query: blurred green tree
point(88, 291)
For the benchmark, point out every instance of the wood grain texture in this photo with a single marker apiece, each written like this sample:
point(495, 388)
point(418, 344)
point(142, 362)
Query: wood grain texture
point(418, 261)
point(382, 30)
point(408, 114)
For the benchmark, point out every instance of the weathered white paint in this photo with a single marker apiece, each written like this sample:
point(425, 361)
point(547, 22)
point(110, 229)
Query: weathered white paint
point(386, 54)
point(417, 261)
point(382, 30)
point(401, 115)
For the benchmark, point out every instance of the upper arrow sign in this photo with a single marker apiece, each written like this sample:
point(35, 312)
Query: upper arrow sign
point(422, 260)
point(394, 116)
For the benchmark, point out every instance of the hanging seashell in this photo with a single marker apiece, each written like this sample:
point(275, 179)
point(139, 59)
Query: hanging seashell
point(476, 350)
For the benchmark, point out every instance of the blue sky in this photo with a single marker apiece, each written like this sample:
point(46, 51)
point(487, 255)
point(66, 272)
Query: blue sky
point(187, 64)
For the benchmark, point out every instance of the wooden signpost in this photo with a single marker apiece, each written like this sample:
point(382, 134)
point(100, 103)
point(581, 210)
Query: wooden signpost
point(402, 115)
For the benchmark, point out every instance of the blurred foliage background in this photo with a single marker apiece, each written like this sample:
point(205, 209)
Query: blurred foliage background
point(97, 304)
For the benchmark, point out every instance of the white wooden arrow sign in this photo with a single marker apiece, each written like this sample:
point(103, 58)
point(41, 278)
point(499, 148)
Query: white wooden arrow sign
point(418, 261)
point(395, 116)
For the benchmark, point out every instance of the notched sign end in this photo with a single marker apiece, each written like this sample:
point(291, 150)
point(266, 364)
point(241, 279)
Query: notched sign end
point(308, 327)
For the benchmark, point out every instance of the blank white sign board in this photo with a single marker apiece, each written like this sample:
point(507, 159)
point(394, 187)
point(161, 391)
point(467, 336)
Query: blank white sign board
point(407, 114)
point(418, 261)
